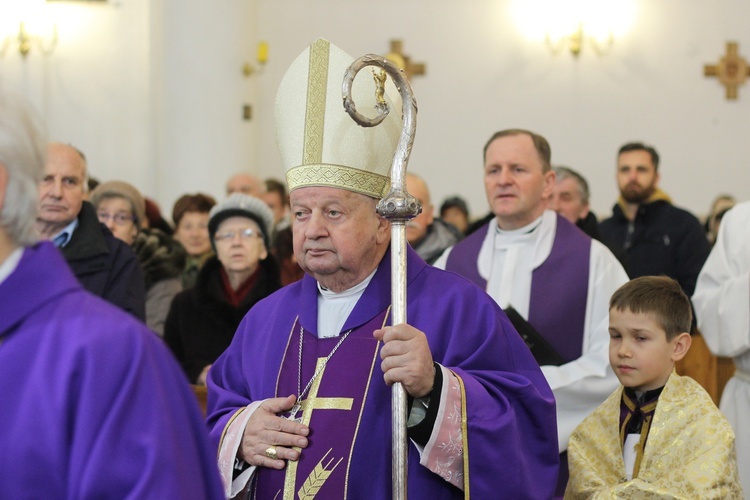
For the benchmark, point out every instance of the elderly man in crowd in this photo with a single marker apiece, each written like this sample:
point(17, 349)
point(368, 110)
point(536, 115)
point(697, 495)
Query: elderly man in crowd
point(429, 236)
point(93, 405)
point(571, 200)
point(245, 183)
point(301, 400)
point(104, 265)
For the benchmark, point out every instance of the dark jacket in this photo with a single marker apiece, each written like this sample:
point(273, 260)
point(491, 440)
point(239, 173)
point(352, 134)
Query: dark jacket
point(663, 239)
point(201, 322)
point(590, 226)
point(440, 235)
point(104, 265)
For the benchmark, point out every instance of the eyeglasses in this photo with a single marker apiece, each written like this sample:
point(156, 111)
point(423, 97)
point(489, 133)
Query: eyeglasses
point(245, 234)
point(120, 218)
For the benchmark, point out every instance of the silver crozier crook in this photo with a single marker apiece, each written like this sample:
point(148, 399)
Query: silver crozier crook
point(398, 207)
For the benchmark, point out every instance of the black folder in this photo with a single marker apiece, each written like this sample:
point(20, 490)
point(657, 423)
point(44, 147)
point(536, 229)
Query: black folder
point(543, 352)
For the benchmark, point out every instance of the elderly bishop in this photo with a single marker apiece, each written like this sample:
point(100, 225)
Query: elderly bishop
point(299, 404)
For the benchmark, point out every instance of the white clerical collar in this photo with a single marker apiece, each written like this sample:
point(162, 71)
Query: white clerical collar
point(10, 264)
point(529, 228)
point(355, 290)
point(522, 235)
point(334, 308)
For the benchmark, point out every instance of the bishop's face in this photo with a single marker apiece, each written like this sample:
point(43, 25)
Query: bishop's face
point(636, 176)
point(339, 238)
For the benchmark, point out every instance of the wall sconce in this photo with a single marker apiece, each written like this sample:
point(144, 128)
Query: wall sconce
point(262, 57)
point(575, 40)
point(574, 24)
point(27, 40)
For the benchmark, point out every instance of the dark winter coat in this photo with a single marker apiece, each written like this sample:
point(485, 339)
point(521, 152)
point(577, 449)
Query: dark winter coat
point(201, 322)
point(104, 265)
point(663, 239)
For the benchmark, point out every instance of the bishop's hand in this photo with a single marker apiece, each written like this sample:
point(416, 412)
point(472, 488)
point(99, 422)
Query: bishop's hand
point(268, 439)
point(406, 359)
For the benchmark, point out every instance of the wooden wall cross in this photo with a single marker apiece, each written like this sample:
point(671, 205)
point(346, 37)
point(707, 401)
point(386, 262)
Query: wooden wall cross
point(732, 70)
point(397, 56)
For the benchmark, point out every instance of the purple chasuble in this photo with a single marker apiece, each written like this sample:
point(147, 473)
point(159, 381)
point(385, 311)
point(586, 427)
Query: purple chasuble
point(509, 433)
point(92, 404)
point(339, 390)
point(559, 286)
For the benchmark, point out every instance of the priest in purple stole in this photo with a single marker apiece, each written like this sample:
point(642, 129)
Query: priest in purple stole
point(92, 404)
point(299, 404)
point(553, 275)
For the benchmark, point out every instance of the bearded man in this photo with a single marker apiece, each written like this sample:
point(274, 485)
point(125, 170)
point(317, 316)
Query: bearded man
point(649, 234)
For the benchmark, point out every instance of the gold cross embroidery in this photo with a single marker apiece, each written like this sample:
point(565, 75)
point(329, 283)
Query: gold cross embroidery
point(313, 402)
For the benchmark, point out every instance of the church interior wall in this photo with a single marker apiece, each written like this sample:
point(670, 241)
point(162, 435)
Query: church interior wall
point(153, 92)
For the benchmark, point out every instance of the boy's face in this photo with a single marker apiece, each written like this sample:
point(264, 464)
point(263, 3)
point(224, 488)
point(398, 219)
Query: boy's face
point(639, 352)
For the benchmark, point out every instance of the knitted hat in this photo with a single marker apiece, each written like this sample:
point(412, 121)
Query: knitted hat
point(241, 205)
point(120, 189)
point(320, 144)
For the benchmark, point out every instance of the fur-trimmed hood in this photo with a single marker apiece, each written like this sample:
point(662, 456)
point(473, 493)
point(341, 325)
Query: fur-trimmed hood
point(161, 256)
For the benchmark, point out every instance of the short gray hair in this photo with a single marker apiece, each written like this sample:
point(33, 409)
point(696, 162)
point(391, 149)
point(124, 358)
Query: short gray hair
point(23, 154)
point(562, 173)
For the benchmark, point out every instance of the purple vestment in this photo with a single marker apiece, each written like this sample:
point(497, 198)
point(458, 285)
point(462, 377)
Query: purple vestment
point(559, 286)
point(92, 405)
point(511, 429)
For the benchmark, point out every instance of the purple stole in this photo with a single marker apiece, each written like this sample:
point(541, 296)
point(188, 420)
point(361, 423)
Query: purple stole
point(559, 286)
point(332, 406)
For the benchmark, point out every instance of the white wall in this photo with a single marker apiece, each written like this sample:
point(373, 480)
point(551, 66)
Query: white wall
point(93, 90)
point(196, 61)
point(483, 76)
point(152, 90)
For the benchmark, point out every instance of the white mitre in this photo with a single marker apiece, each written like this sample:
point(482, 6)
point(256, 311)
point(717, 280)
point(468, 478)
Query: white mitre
point(320, 144)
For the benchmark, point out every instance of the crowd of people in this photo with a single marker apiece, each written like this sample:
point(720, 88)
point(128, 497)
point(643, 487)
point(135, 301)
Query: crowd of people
point(541, 366)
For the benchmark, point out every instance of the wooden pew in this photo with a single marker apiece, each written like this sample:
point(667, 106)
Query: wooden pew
point(710, 371)
point(201, 393)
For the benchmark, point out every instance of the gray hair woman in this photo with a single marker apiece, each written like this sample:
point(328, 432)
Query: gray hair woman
point(202, 320)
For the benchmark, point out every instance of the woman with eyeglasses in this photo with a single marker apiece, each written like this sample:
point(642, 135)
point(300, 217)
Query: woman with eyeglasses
point(202, 320)
point(121, 207)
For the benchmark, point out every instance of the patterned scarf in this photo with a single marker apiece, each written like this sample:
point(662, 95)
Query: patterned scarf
point(636, 414)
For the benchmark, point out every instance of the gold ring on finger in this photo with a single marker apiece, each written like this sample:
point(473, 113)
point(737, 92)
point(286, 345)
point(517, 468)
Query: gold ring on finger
point(271, 452)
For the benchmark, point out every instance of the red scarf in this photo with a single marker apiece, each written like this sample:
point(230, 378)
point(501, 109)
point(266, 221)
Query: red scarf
point(235, 297)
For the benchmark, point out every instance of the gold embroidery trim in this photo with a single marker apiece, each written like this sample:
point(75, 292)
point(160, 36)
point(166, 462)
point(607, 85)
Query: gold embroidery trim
point(224, 432)
point(317, 478)
point(464, 435)
point(331, 403)
point(317, 81)
point(338, 176)
point(283, 358)
point(313, 402)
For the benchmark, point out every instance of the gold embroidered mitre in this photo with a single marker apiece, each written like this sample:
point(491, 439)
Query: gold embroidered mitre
point(320, 144)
